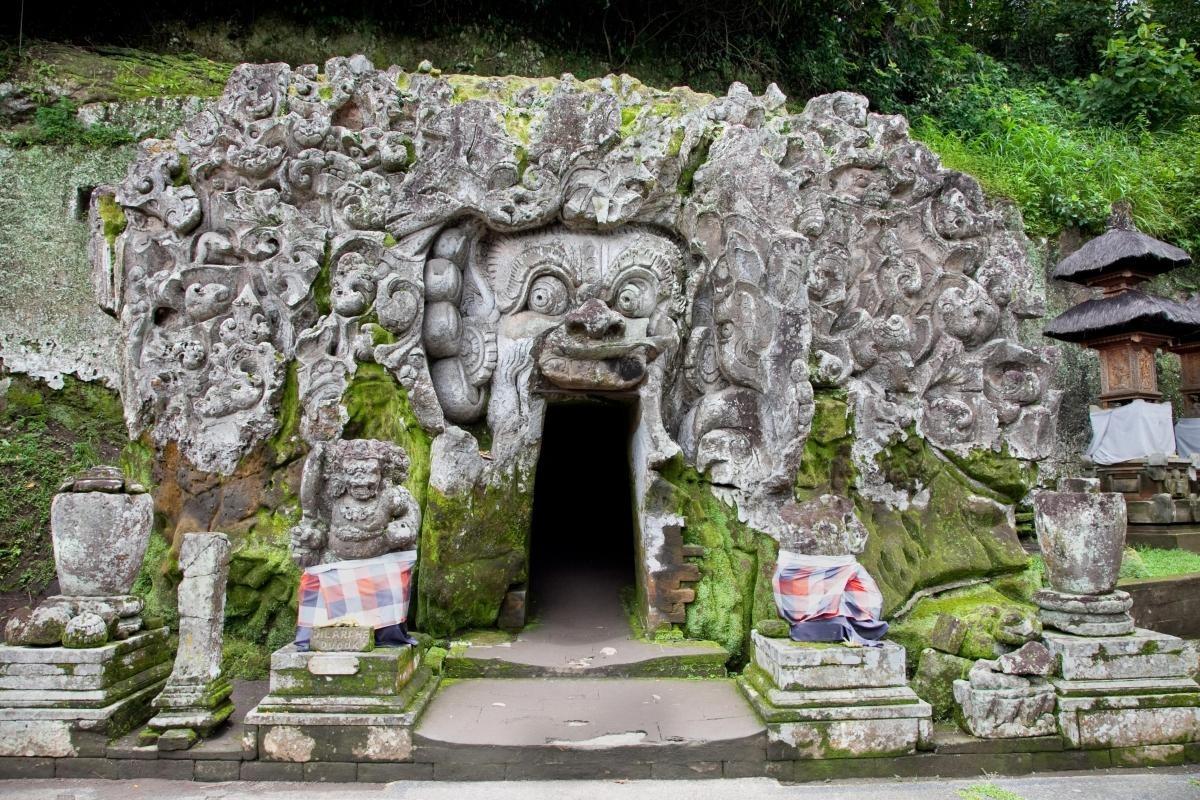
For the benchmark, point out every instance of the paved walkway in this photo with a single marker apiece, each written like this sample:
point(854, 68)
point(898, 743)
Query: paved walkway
point(1175, 783)
point(581, 629)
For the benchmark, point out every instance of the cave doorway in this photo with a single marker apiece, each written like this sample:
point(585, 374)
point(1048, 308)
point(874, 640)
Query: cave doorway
point(583, 533)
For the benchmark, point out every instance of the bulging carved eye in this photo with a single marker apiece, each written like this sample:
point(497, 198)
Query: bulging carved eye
point(635, 299)
point(548, 295)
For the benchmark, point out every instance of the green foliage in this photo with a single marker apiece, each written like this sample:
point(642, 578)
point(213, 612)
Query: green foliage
point(57, 125)
point(987, 791)
point(1025, 145)
point(1145, 76)
point(46, 435)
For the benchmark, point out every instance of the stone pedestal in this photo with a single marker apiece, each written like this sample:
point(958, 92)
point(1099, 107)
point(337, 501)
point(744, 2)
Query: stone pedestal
point(341, 706)
point(61, 701)
point(196, 699)
point(834, 701)
point(1085, 614)
point(1124, 691)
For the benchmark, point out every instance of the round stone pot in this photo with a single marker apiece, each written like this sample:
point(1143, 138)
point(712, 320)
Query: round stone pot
point(99, 539)
point(1082, 537)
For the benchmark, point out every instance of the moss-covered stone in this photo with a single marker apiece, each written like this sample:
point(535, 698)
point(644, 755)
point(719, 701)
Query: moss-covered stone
point(473, 548)
point(955, 527)
point(934, 681)
point(732, 588)
point(1009, 477)
point(378, 408)
point(981, 607)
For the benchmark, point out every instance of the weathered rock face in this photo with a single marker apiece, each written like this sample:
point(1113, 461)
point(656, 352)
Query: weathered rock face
point(489, 245)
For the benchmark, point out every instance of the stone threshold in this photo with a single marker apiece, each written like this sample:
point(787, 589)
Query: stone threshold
point(956, 755)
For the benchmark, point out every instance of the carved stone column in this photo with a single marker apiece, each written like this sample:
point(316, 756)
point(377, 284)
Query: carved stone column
point(196, 700)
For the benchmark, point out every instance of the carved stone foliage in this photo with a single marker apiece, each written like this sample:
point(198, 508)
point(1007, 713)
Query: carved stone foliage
point(494, 241)
point(354, 503)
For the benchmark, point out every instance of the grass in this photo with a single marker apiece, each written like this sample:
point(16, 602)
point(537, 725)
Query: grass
point(987, 791)
point(1156, 563)
point(1064, 174)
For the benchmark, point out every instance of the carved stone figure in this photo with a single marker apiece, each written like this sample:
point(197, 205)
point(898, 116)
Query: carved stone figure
point(354, 504)
point(711, 258)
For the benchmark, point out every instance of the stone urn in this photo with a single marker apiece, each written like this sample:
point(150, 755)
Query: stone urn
point(1082, 537)
point(100, 526)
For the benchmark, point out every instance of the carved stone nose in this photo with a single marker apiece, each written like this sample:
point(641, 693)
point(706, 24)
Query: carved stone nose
point(595, 320)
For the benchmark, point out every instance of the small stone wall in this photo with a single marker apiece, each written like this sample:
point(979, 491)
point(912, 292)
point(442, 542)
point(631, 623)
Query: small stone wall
point(1167, 605)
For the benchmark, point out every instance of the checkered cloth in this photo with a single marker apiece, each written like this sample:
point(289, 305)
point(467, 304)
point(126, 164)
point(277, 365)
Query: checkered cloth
point(369, 591)
point(823, 587)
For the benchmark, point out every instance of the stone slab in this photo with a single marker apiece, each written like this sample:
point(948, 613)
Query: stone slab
point(811, 665)
point(10, 654)
point(73, 700)
point(402, 708)
point(573, 720)
point(1128, 727)
point(1168, 605)
point(379, 672)
point(1006, 713)
point(1144, 654)
point(1091, 625)
point(63, 732)
point(861, 729)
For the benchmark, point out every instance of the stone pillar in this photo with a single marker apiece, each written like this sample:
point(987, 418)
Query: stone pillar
point(196, 700)
point(79, 670)
point(1117, 686)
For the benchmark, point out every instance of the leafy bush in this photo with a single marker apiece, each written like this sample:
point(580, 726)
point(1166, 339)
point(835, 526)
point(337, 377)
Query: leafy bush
point(1029, 144)
point(57, 124)
point(1144, 76)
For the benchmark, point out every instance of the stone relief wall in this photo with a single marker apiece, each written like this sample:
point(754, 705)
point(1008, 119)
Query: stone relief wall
point(494, 243)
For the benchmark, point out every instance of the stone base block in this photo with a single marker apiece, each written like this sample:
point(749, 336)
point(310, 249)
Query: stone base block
point(1085, 615)
point(59, 701)
point(812, 665)
point(65, 732)
point(839, 723)
point(1128, 721)
point(1006, 713)
point(95, 677)
point(359, 727)
point(1144, 654)
point(379, 673)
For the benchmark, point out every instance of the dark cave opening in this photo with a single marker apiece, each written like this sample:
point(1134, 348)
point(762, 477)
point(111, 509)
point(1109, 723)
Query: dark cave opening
point(582, 539)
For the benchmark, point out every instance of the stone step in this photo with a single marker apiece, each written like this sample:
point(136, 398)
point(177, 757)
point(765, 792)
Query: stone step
point(1164, 537)
point(558, 651)
point(573, 722)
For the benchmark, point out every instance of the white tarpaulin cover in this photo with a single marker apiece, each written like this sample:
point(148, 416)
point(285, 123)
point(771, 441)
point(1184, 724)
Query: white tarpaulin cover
point(1187, 436)
point(1134, 430)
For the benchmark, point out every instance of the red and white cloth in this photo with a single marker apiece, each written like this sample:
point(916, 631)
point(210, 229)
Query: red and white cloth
point(369, 592)
point(823, 587)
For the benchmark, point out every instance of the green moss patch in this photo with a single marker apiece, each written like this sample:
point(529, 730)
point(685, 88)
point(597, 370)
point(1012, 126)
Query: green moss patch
point(735, 569)
point(981, 607)
point(960, 530)
point(1152, 562)
point(46, 435)
point(473, 548)
point(379, 409)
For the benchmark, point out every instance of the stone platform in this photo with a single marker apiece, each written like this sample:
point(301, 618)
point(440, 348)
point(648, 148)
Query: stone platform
point(1122, 691)
point(831, 701)
point(343, 707)
point(60, 701)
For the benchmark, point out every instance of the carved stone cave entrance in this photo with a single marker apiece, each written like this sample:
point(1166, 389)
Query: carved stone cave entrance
point(583, 532)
